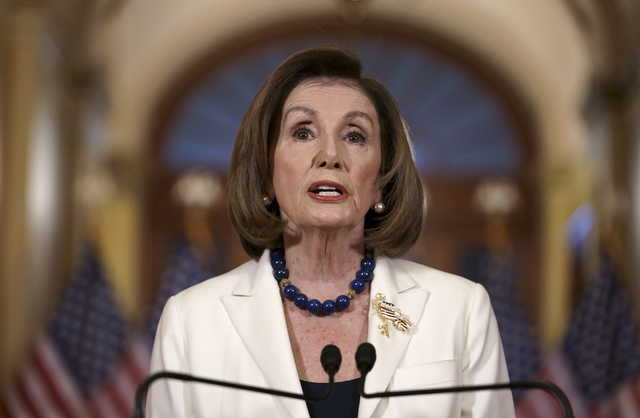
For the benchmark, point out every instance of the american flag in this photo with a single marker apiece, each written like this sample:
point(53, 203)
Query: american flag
point(598, 363)
point(83, 364)
point(184, 269)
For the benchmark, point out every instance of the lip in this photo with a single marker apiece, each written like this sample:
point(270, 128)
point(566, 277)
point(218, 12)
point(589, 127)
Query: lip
point(344, 194)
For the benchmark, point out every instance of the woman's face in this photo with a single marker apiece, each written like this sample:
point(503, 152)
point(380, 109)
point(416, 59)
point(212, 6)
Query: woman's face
point(327, 157)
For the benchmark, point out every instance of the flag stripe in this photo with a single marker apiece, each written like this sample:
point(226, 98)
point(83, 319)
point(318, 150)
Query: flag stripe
point(138, 360)
point(122, 384)
point(524, 408)
point(125, 390)
point(15, 408)
point(136, 371)
point(116, 393)
point(539, 404)
point(51, 387)
point(37, 394)
point(102, 406)
point(522, 411)
point(63, 383)
point(558, 373)
point(635, 391)
point(24, 400)
point(605, 409)
point(627, 402)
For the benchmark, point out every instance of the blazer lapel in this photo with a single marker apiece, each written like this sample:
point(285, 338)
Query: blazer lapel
point(256, 312)
point(399, 288)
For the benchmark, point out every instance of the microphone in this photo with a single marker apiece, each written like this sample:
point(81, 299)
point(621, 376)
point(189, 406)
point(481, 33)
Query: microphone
point(366, 358)
point(330, 358)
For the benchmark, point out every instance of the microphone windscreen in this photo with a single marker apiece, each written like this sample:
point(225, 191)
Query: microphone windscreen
point(365, 358)
point(330, 358)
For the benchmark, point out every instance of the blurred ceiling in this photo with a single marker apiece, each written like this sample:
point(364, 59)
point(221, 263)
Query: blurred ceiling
point(552, 51)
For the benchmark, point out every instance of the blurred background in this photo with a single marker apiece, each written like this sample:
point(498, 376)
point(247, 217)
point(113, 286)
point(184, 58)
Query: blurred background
point(117, 120)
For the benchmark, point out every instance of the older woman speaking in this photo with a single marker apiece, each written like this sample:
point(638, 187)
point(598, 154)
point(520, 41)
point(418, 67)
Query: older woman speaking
point(324, 193)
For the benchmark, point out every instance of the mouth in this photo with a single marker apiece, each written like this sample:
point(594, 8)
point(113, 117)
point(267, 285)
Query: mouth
point(327, 191)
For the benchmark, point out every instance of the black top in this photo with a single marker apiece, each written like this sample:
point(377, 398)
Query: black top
point(342, 404)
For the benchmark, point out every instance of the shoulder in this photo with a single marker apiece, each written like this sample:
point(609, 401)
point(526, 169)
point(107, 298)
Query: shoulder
point(188, 315)
point(446, 290)
point(431, 279)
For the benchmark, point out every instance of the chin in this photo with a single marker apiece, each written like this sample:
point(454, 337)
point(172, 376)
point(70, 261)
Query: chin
point(327, 221)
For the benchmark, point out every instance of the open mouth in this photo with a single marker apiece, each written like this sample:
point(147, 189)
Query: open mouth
point(327, 191)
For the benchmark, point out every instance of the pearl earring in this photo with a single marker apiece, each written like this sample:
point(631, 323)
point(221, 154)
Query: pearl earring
point(379, 208)
point(266, 200)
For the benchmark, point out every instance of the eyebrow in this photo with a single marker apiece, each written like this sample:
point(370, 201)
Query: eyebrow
point(358, 114)
point(350, 115)
point(302, 109)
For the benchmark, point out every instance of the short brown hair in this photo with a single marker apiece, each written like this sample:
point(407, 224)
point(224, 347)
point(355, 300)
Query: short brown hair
point(250, 176)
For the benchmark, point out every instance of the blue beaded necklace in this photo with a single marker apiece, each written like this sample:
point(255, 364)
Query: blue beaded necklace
point(291, 292)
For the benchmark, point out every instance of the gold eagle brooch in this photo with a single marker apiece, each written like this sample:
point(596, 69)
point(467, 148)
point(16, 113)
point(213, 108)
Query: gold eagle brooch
point(388, 312)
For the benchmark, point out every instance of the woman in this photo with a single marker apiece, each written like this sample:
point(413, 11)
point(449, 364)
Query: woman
point(323, 191)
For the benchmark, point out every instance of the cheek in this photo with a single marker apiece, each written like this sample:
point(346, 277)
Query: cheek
point(280, 182)
point(286, 176)
point(368, 183)
point(370, 189)
point(287, 157)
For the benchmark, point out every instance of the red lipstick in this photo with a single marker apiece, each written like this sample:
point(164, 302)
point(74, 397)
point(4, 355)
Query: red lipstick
point(327, 191)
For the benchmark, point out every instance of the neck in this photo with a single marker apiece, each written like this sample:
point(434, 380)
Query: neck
point(318, 256)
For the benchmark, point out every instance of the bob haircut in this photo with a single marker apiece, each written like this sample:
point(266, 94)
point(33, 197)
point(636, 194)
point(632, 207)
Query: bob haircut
point(250, 178)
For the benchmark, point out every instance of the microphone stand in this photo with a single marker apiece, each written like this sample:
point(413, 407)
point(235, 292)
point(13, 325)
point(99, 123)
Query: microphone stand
point(366, 357)
point(330, 359)
point(546, 386)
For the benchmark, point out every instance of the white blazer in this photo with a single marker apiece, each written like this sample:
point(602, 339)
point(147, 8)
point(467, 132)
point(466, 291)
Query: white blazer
point(232, 328)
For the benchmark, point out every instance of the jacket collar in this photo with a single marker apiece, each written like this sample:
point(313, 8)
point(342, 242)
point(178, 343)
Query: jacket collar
point(399, 288)
point(257, 295)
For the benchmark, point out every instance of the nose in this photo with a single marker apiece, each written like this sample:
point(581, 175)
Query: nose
point(329, 162)
point(329, 155)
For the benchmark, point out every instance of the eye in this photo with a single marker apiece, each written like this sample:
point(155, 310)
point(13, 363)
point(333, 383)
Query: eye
point(356, 137)
point(302, 133)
